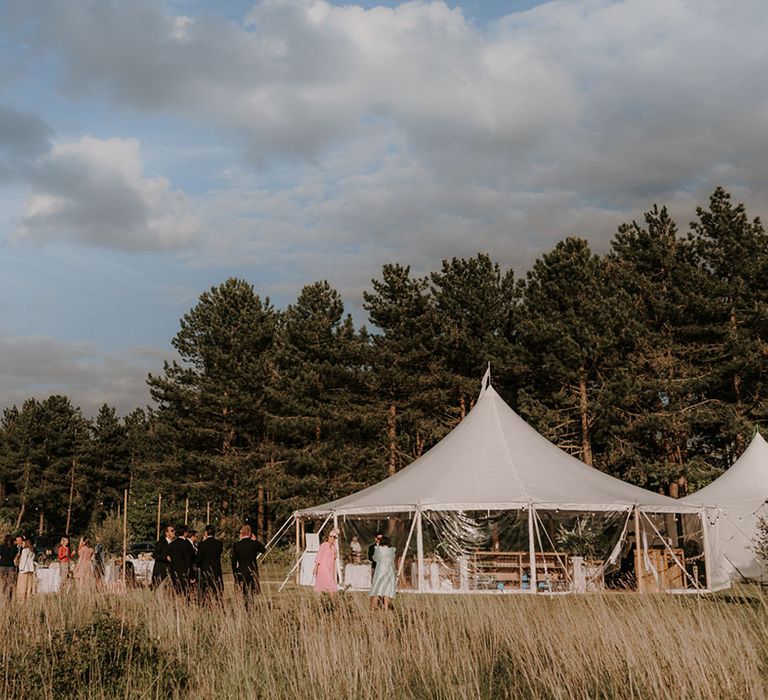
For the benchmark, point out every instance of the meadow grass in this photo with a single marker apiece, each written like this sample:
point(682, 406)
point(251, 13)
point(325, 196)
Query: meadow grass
point(298, 645)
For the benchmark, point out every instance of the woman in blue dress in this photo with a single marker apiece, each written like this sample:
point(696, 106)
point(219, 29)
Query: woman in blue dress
point(384, 578)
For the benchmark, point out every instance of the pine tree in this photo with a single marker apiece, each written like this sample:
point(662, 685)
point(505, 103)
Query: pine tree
point(211, 404)
point(733, 252)
point(319, 397)
point(569, 334)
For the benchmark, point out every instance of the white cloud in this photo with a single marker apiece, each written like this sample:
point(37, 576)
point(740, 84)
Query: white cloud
point(94, 191)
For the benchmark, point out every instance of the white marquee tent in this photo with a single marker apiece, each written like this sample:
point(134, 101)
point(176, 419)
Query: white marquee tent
point(734, 502)
point(496, 506)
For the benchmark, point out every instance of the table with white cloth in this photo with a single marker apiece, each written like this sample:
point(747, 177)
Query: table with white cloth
point(357, 576)
point(48, 579)
point(143, 569)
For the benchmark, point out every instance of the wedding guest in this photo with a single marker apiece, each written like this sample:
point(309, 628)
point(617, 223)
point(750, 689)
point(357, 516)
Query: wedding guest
point(372, 548)
point(83, 572)
point(64, 555)
point(325, 564)
point(26, 583)
point(181, 556)
point(161, 558)
point(355, 551)
point(211, 581)
point(384, 578)
point(7, 567)
point(245, 553)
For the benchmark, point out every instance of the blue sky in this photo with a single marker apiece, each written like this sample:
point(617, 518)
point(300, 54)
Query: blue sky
point(150, 150)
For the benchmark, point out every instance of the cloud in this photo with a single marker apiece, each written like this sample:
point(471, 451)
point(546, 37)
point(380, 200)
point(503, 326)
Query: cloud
point(23, 137)
point(41, 366)
point(94, 191)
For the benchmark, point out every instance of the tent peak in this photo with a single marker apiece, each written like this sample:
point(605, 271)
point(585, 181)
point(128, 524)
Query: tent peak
point(485, 382)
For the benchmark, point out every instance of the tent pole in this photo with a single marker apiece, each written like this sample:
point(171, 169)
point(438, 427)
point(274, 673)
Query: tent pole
point(707, 553)
point(338, 550)
point(531, 549)
point(420, 551)
point(638, 555)
point(405, 550)
point(298, 548)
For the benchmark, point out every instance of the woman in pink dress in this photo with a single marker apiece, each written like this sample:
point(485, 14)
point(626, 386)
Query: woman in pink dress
point(83, 573)
point(325, 564)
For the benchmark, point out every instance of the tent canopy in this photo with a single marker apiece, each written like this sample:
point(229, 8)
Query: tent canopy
point(735, 500)
point(494, 460)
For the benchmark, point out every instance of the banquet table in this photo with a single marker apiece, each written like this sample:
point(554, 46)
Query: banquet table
point(48, 579)
point(357, 576)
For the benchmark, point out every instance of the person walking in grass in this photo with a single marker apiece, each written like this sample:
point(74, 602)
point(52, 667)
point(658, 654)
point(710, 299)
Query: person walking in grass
point(384, 578)
point(325, 564)
point(26, 583)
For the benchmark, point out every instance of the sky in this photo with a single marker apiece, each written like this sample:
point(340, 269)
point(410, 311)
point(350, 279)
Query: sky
point(152, 149)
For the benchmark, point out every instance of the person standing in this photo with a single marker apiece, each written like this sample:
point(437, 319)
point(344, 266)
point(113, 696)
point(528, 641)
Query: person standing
point(384, 581)
point(208, 559)
point(7, 567)
point(83, 573)
point(64, 556)
point(325, 564)
point(160, 556)
point(245, 566)
point(372, 548)
point(26, 583)
point(181, 555)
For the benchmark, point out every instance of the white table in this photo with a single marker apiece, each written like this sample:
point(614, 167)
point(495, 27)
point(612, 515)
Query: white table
point(357, 576)
point(48, 579)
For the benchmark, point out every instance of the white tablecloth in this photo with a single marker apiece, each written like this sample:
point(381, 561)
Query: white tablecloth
point(357, 576)
point(48, 579)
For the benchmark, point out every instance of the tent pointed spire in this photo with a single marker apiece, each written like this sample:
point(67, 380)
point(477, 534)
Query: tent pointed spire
point(486, 380)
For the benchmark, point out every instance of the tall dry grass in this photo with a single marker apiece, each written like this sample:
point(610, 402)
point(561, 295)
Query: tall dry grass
point(297, 645)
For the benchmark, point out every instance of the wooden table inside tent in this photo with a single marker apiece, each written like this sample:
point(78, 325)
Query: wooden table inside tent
point(660, 570)
point(512, 570)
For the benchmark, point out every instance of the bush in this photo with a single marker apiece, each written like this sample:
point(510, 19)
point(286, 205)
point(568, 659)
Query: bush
point(110, 534)
point(108, 653)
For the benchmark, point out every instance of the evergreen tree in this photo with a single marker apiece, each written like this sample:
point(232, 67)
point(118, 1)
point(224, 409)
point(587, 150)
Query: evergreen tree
point(109, 461)
point(408, 374)
point(474, 304)
point(211, 405)
point(733, 252)
point(320, 419)
point(570, 337)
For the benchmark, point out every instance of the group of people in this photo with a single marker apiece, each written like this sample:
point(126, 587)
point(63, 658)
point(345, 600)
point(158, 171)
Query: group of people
point(381, 555)
point(17, 565)
point(193, 569)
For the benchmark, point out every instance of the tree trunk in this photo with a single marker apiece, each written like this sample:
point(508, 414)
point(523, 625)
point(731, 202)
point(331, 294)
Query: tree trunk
point(260, 513)
point(392, 438)
point(71, 496)
point(586, 444)
point(23, 506)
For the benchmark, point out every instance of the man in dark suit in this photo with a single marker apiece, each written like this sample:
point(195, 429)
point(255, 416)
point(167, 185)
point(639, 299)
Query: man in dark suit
point(244, 563)
point(160, 555)
point(210, 581)
point(372, 548)
point(181, 555)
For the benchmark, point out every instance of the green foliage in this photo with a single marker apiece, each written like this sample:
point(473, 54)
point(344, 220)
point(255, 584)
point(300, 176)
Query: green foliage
point(760, 540)
point(107, 654)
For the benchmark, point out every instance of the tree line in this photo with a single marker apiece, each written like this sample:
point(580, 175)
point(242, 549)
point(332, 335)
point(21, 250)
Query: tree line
point(647, 362)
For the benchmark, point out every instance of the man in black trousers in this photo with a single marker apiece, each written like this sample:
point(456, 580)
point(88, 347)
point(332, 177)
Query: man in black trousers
point(181, 555)
point(244, 565)
point(160, 555)
point(210, 579)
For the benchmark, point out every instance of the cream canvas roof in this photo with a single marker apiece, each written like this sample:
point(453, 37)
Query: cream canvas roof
point(494, 459)
point(735, 500)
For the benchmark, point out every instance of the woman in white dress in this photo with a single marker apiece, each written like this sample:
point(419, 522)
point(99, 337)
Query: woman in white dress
point(25, 586)
point(384, 581)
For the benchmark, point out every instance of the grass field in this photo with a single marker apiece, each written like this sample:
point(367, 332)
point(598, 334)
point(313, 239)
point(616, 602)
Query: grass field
point(297, 645)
